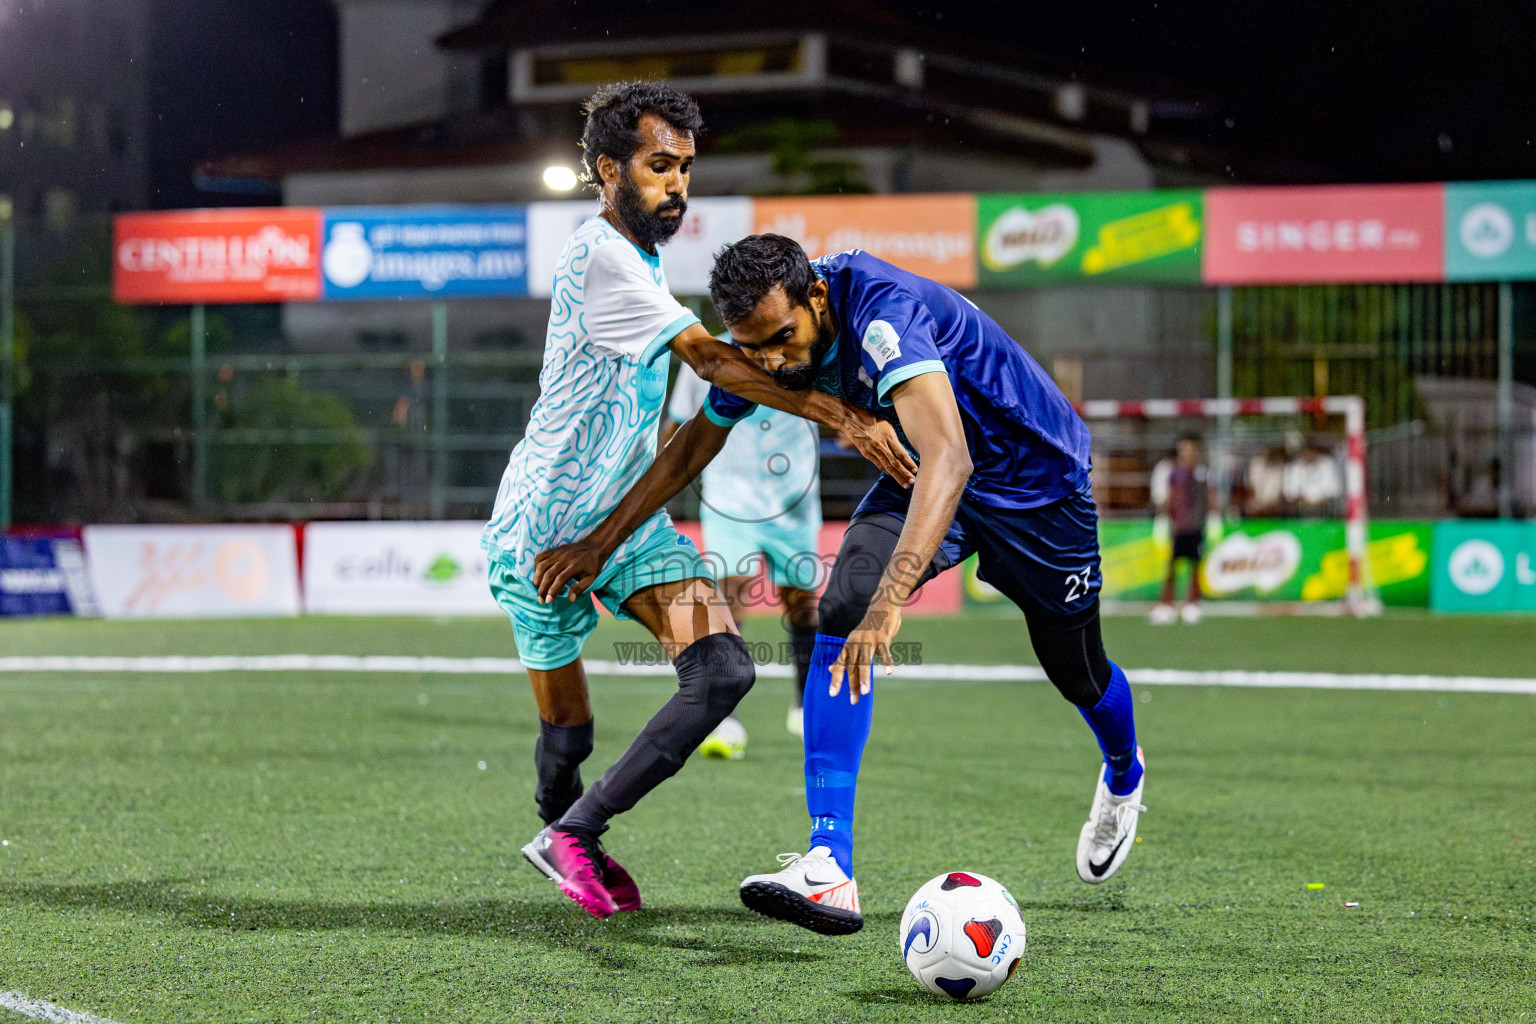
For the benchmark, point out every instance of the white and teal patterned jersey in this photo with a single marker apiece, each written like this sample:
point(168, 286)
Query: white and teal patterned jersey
point(768, 472)
point(592, 433)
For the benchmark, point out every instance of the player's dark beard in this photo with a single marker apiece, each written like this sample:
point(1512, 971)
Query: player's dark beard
point(800, 378)
point(648, 226)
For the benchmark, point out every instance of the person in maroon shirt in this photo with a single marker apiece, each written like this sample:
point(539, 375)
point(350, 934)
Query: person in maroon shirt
point(1187, 502)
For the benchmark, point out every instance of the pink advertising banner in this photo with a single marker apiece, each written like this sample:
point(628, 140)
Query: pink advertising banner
point(1322, 234)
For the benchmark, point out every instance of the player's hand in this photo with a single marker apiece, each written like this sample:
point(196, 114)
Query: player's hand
point(876, 440)
point(577, 564)
point(872, 638)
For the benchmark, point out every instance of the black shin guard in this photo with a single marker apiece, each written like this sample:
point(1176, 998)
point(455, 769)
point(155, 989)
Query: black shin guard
point(802, 644)
point(713, 674)
point(557, 756)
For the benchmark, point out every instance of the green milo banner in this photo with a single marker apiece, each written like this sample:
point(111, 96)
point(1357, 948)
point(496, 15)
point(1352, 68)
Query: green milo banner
point(1484, 566)
point(1078, 237)
point(1257, 559)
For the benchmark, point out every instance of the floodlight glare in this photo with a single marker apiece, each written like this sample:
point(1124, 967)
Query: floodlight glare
point(559, 178)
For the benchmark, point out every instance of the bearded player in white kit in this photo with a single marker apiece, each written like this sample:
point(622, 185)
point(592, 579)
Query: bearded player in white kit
point(589, 438)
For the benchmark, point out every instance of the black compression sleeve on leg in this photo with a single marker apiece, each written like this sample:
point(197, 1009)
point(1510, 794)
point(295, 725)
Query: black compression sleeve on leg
point(802, 644)
point(713, 674)
point(1071, 650)
point(557, 757)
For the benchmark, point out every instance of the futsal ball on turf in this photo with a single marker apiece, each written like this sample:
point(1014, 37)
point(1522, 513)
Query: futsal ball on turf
point(961, 935)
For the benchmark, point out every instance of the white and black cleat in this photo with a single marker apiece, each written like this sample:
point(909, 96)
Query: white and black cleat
point(1110, 831)
point(811, 891)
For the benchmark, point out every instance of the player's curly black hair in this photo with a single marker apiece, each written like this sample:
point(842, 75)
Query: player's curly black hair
point(613, 121)
point(751, 268)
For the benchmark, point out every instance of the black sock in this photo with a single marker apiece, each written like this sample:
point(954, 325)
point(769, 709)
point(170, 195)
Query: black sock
point(713, 674)
point(557, 756)
point(802, 643)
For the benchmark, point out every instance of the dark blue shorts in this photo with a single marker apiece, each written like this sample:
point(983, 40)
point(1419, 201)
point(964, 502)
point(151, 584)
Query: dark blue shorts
point(1045, 559)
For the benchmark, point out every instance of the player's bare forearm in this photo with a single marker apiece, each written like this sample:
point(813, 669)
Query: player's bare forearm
point(725, 367)
point(571, 568)
point(690, 448)
point(934, 501)
point(926, 406)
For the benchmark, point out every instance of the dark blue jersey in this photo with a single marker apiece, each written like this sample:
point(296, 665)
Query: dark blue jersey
point(1027, 443)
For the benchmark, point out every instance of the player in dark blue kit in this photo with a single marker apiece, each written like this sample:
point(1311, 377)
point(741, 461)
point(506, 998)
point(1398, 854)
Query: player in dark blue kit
point(1003, 472)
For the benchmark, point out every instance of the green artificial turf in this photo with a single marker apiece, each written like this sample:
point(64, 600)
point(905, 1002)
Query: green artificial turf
point(290, 846)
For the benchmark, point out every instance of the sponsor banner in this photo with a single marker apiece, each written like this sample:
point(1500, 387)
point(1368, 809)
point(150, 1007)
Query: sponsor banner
point(1484, 566)
point(687, 258)
point(44, 576)
point(1269, 560)
point(930, 235)
point(193, 572)
point(242, 255)
point(1490, 231)
point(1322, 234)
point(396, 569)
point(425, 252)
point(1076, 237)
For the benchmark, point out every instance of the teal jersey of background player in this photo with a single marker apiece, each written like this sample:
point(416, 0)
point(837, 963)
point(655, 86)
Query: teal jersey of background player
point(768, 473)
point(592, 433)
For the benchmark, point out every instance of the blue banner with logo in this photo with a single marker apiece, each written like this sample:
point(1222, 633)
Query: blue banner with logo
point(1490, 231)
point(424, 252)
point(43, 576)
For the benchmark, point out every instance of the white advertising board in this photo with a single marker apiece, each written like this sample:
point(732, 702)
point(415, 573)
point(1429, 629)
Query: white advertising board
point(396, 569)
point(193, 572)
point(687, 258)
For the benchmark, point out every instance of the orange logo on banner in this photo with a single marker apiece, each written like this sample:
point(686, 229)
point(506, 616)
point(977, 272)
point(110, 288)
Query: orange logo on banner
point(187, 256)
point(931, 235)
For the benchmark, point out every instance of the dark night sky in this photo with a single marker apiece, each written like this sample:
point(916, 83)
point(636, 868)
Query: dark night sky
point(1363, 91)
point(1369, 91)
point(233, 76)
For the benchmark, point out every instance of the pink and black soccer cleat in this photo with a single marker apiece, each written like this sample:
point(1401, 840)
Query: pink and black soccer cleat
point(575, 862)
point(621, 887)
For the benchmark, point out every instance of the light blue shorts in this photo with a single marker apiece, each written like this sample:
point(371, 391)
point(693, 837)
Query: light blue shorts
point(552, 635)
point(736, 548)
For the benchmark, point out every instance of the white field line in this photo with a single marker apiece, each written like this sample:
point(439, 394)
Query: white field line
point(935, 673)
point(40, 1009)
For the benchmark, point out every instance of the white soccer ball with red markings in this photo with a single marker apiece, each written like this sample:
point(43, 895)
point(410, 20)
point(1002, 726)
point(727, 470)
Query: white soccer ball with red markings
point(961, 935)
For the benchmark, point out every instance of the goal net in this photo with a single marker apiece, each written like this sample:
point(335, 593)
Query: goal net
point(1287, 530)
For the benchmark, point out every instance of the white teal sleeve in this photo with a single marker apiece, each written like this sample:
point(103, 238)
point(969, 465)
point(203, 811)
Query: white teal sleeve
point(626, 309)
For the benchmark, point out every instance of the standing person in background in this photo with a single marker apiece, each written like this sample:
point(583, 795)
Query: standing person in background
point(1184, 501)
point(761, 503)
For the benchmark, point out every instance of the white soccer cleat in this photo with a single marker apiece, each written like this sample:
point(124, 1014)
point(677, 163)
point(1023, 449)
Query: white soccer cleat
point(795, 722)
point(1190, 613)
point(1110, 831)
point(1163, 615)
point(811, 891)
point(728, 742)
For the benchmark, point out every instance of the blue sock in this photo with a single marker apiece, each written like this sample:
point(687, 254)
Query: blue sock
point(1113, 721)
point(835, 734)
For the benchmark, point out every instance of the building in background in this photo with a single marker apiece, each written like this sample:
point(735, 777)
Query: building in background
point(459, 101)
point(74, 108)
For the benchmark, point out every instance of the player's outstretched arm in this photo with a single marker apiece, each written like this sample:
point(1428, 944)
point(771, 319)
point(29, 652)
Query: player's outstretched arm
point(926, 407)
point(725, 367)
point(691, 447)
